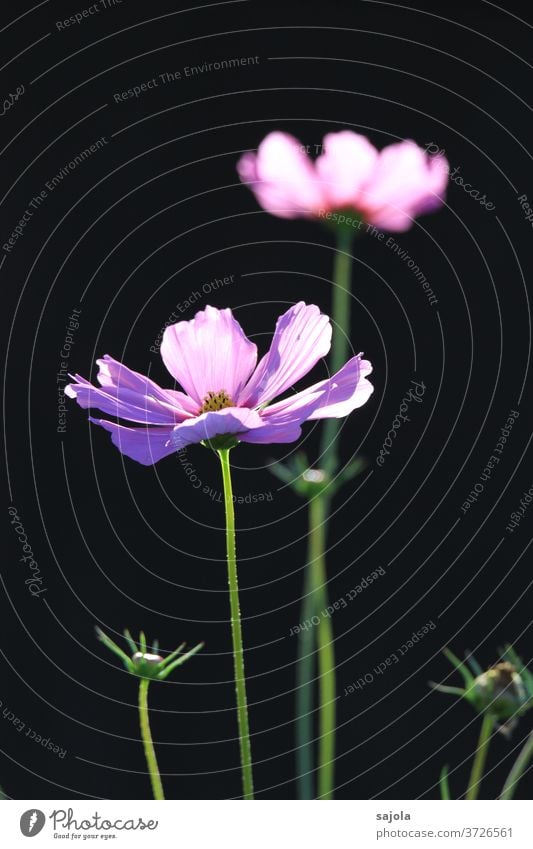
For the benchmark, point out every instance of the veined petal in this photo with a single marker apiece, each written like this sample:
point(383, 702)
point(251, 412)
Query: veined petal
point(113, 373)
point(301, 338)
point(210, 353)
point(296, 408)
point(229, 421)
point(129, 395)
point(282, 177)
point(347, 390)
point(146, 445)
point(123, 405)
point(347, 162)
point(335, 397)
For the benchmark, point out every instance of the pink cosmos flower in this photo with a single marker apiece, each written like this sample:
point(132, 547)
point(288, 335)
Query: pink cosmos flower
point(386, 188)
point(226, 392)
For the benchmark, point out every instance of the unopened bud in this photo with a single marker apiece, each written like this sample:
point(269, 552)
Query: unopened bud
point(500, 690)
point(147, 658)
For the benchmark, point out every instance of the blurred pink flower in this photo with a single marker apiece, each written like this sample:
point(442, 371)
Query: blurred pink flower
point(387, 188)
point(227, 393)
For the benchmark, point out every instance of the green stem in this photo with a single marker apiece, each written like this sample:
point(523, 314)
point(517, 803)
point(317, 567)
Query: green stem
point(146, 734)
point(236, 631)
point(480, 757)
point(340, 343)
point(318, 513)
point(315, 580)
point(305, 674)
point(518, 769)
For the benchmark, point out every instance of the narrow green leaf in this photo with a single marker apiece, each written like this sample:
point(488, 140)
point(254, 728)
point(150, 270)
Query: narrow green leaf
point(112, 646)
point(526, 676)
point(172, 655)
point(282, 472)
point(467, 676)
point(129, 639)
point(474, 665)
point(168, 669)
point(353, 469)
point(142, 642)
point(442, 688)
point(444, 784)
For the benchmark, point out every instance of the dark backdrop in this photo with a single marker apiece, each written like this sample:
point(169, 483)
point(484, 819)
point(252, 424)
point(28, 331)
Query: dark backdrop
point(154, 214)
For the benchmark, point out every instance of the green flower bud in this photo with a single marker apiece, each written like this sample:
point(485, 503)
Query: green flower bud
point(505, 690)
point(501, 691)
point(147, 664)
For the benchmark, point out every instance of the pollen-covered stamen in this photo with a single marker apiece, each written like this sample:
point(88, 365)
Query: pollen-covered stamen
point(214, 401)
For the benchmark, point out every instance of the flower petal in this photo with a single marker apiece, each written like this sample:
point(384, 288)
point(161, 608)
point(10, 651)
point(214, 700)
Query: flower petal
point(405, 183)
point(348, 160)
point(129, 395)
point(148, 445)
point(210, 353)
point(230, 421)
point(113, 373)
point(144, 444)
point(282, 177)
point(301, 338)
point(345, 391)
point(272, 433)
point(335, 397)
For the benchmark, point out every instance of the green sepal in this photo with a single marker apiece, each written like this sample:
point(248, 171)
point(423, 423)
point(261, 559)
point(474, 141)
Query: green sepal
point(165, 672)
point(112, 646)
point(144, 664)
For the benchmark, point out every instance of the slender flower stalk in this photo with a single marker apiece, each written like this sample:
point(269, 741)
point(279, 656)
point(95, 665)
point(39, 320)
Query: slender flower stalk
point(315, 582)
point(148, 666)
point(518, 769)
point(325, 650)
point(480, 758)
point(340, 343)
point(236, 630)
point(148, 743)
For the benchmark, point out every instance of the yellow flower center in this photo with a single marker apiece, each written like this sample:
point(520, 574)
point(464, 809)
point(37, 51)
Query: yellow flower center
point(214, 401)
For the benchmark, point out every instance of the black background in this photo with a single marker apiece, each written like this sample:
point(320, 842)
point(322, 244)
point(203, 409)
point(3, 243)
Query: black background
point(150, 218)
